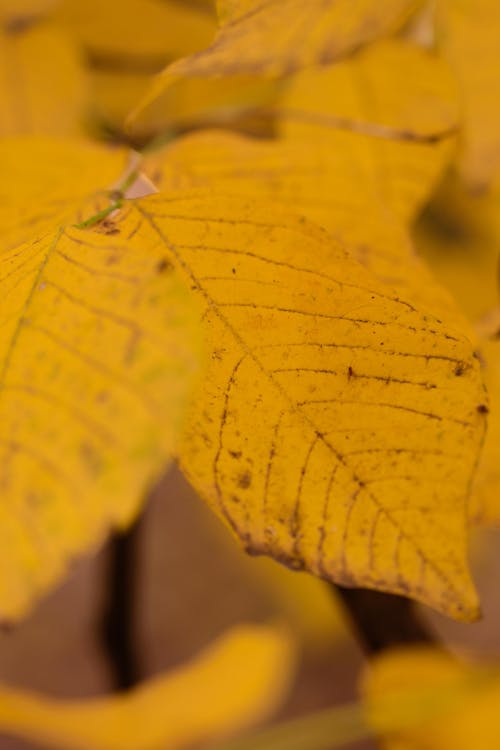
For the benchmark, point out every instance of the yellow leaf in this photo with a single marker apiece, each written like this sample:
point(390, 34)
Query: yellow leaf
point(308, 604)
point(485, 499)
point(189, 103)
point(459, 238)
point(39, 188)
point(275, 38)
point(238, 680)
point(98, 351)
point(463, 257)
point(12, 11)
point(468, 33)
point(324, 180)
point(146, 33)
point(43, 87)
point(447, 703)
point(304, 345)
point(398, 105)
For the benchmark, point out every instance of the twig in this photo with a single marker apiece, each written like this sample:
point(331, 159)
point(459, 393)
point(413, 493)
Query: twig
point(117, 627)
point(383, 620)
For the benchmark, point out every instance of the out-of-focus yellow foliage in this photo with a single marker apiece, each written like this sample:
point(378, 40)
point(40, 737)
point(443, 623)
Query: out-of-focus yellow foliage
point(211, 102)
point(15, 11)
point(276, 38)
point(305, 343)
point(43, 86)
point(273, 38)
point(99, 345)
point(144, 33)
point(468, 33)
point(396, 103)
point(237, 681)
point(126, 43)
point(459, 237)
point(309, 604)
point(443, 703)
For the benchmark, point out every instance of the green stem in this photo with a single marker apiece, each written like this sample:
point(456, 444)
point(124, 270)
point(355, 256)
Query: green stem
point(99, 216)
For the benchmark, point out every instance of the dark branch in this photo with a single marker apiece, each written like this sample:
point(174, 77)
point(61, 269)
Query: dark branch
point(383, 620)
point(117, 627)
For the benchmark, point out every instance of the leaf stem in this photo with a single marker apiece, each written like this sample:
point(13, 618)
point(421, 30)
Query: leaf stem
point(383, 620)
point(100, 215)
point(117, 625)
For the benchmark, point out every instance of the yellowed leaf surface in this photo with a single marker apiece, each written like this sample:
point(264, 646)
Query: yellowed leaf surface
point(305, 344)
point(308, 604)
point(398, 105)
point(12, 11)
point(237, 681)
point(39, 188)
point(98, 350)
point(189, 103)
point(434, 700)
point(458, 237)
point(43, 85)
point(323, 180)
point(275, 38)
point(146, 33)
point(281, 37)
point(485, 501)
point(468, 32)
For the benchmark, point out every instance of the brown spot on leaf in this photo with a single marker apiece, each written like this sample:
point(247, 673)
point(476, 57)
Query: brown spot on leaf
point(245, 480)
point(164, 266)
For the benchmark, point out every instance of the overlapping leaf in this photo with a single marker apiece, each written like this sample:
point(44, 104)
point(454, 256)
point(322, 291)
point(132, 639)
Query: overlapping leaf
point(99, 345)
point(312, 358)
point(458, 236)
point(468, 33)
point(437, 701)
point(485, 502)
point(275, 38)
point(14, 11)
point(323, 180)
point(238, 680)
point(136, 33)
point(398, 106)
point(39, 189)
point(43, 87)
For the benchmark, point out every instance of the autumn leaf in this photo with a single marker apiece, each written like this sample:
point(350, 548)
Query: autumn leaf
point(485, 505)
point(276, 38)
point(305, 601)
point(43, 87)
point(14, 11)
point(233, 102)
point(39, 189)
point(237, 681)
point(398, 107)
point(467, 34)
point(304, 343)
point(140, 34)
point(99, 346)
point(458, 236)
point(323, 180)
point(454, 704)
